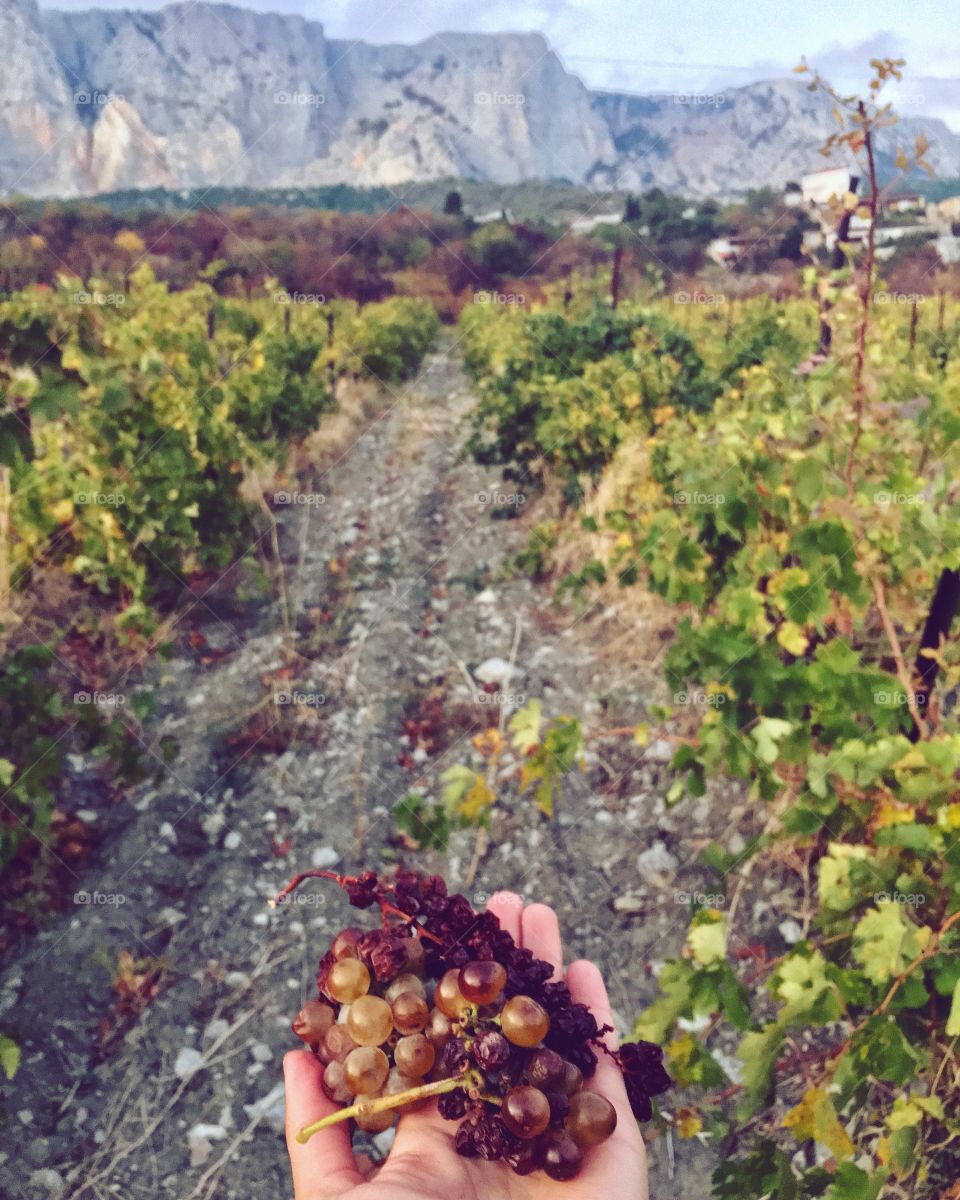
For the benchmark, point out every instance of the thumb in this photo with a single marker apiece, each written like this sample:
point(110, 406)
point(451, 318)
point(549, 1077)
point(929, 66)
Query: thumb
point(324, 1167)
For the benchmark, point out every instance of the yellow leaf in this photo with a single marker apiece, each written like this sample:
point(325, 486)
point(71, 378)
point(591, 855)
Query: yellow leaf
point(62, 512)
point(815, 1118)
point(489, 742)
point(792, 638)
point(689, 1124)
point(641, 735)
point(477, 800)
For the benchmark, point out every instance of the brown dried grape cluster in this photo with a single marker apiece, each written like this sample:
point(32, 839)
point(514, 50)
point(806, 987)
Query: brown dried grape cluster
point(441, 1002)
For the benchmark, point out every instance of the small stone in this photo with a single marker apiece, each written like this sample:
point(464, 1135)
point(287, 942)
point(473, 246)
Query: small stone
point(216, 1029)
point(657, 860)
point(497, 670)
point(25, 1115)
point(170, 916)
point(168, 833)
point(261, 1052)
point(212, 824)
point(269, 1108)
point(237, 979)
point(87, 816)
point(631, 903)
point(659, 750)
point(51, 1181)
point(790, 931)
point(487, 596)
point(232, 841)
point(199, 1140)
point(324, 857)
point(187, 1062)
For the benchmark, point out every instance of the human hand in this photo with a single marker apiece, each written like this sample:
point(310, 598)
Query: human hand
point(422, 1163)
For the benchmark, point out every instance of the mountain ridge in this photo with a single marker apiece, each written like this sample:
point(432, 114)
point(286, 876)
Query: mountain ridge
point(214, 94)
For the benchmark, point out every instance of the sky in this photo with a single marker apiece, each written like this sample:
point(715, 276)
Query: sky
point(680, 46)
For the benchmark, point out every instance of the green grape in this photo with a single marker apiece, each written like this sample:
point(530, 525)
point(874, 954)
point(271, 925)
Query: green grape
point(482, 982)
point(366, 1069)
point(410, 1013)
point(591, 1119)
point(414, 1055)
point(448, 997)
point(525, 1111)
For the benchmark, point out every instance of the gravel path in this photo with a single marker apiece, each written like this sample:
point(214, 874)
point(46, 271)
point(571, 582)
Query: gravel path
point(402, 587)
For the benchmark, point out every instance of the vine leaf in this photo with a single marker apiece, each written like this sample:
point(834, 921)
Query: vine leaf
point(816, 1118)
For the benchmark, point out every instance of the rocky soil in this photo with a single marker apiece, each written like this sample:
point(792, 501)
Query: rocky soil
point(405, 602)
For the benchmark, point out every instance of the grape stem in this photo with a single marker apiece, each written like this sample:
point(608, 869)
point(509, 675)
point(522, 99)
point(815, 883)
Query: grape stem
point(367, 1108)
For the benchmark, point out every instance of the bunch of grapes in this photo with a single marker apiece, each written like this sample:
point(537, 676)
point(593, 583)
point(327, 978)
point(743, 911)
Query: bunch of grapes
point(441, 1002)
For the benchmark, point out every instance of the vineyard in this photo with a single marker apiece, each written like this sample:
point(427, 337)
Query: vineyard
point(616, 592)
point(802, 522)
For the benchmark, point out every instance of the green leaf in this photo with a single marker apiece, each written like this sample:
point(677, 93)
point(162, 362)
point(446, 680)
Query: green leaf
point(815, 1118)
point(9, 1056)
point(885, 942)
point(953, 1021)
point(7, 772)
point(758, 1051)
point(767, 732)
point(851, 1183)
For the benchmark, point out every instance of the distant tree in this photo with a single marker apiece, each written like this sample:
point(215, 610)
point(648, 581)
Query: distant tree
point(631, 210)
point(453, 205)
point(791, 244)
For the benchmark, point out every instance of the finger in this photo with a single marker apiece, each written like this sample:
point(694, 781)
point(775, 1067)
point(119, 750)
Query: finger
point(506, 907)
point(540, 932)
point(324, 1166)
point(587, 987)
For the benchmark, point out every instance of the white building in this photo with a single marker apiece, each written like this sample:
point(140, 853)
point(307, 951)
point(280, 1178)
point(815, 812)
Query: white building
point(820, 187)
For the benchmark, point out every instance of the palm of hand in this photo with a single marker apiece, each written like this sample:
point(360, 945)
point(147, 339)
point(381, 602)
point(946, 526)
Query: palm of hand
point(423, 1164)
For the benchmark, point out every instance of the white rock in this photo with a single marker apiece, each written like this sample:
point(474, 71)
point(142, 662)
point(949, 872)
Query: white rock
point(323, 857)
point(497, 670)
point(170, 916)
point(216, 1029)
point(790, 931)
point(199, 1140)
point(25, 1115)
point(269, 1107)
point(261, 1052)
point(211, 825)
point(232, 841)
point(168, 833)
point(52, 1181)
point(87, 815)
point(237, 979)
point(487, 596)
point(659, 750)
point(187, 1062)
point(384, 1140)
point(657, 860)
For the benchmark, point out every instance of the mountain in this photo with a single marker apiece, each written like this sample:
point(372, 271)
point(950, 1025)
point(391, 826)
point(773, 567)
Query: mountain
point(197, 95)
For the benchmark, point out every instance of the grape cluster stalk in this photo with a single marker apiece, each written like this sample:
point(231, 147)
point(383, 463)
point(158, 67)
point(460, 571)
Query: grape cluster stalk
point(441, 1002)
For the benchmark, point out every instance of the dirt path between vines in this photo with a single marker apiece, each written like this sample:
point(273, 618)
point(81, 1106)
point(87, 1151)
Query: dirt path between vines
point(402, 588)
